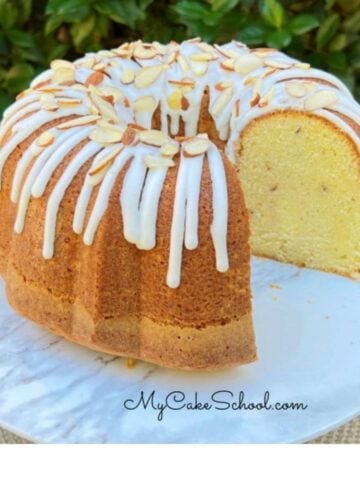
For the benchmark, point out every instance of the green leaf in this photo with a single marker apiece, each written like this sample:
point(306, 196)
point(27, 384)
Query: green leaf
point(338, 43)
point(303, 23)
point(21, 39)
point(126, 12)
point(337, 61)
point(254, 34)
point(278, 39)
point(5, 101)
point(80, 31)
point(8, 14)
point(327, 30)
point(223, 5)
point(273, 12)
point(19, 77)
point(352, 24)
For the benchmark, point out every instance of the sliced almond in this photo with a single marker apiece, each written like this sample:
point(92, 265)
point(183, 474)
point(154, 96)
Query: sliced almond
point(97, 173)
point(237, 108)
point(171, 58)
point(205, 47)
point(174, 99)
point(277, 64)
point(183, 63)
point(68, 102)
point(169, 149)
point(255, 99)
point(78, 122)
point(321, 99)
point(228, 64)
point(128, 136)
point(48, 89)
point(100, 66)
point(302, 65)
point(265, 100)
point(105, 108)
point(87, 62)
point(127, 76)
point(145, 104)
point(148, 75)
point(106, 135)
point(153, 137)
point(196, 146)
point(263, 51)
point(64, 75)
point(48, 102)
point(269, 71)
point(226, 53)
point(296, 89)
point(152, 161)
point(222, 101)
point(144, 52)
point(108, 91)
point(247, 63)
point(185, 82)
point(95, 79)
point(135, 126)
point(59, 63)
point(202, 57)
point(45, 139)
point(160, 48)
point(199, 67)
point(223, 86)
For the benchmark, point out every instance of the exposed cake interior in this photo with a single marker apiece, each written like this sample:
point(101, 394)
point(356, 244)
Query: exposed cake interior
point(300, 176)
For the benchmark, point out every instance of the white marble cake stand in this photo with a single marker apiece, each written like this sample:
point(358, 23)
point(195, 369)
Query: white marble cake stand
point(308, 335)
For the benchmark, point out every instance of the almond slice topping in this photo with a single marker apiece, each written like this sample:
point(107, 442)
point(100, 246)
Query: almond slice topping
point(228, 64)
point(255, 99)
point(296, 89)
point(107, 91)
point(96, 174)
point(148, 75)
point(185, 82)
point(68, 102)
point(153, 161)
point(106, 109)
point(247, 63)
point(153, 137)
point(222, 101)
point(106, 135)
point(303, 66)
point(183, 63)
point(127, 76)
point(321, 99)
point(196, 146)
point(223, 86)
point(64, 75)
point(145, 104)
point(60, 63)
point(169, 149)
point(94, 79)
point(87, 62)
point(78, 122)
point(45, 139)
point(199, 67)
point(277, 64)
point(144, 52)
point(202, 57)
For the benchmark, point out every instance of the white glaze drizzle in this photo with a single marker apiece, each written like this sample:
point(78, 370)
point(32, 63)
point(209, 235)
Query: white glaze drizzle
point(142, 186)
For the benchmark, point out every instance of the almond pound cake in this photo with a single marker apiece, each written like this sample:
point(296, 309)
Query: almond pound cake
point(124, 226)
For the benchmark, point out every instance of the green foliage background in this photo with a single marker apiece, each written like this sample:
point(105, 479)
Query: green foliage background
point(34, 32)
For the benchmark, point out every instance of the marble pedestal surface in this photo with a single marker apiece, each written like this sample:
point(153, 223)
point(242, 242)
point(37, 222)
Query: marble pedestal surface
point(308, 335)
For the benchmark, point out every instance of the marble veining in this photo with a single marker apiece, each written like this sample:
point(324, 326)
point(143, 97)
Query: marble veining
point(308, 335)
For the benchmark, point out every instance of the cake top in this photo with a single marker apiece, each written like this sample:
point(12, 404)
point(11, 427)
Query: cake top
point(108, 100)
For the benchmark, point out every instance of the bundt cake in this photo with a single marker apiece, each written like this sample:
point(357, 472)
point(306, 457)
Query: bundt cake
point(124, 226)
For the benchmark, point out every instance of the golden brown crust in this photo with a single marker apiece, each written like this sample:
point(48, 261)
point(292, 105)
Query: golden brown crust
point(113, 297)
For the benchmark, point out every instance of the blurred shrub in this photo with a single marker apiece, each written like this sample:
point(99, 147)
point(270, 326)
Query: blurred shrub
point(34, 32)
